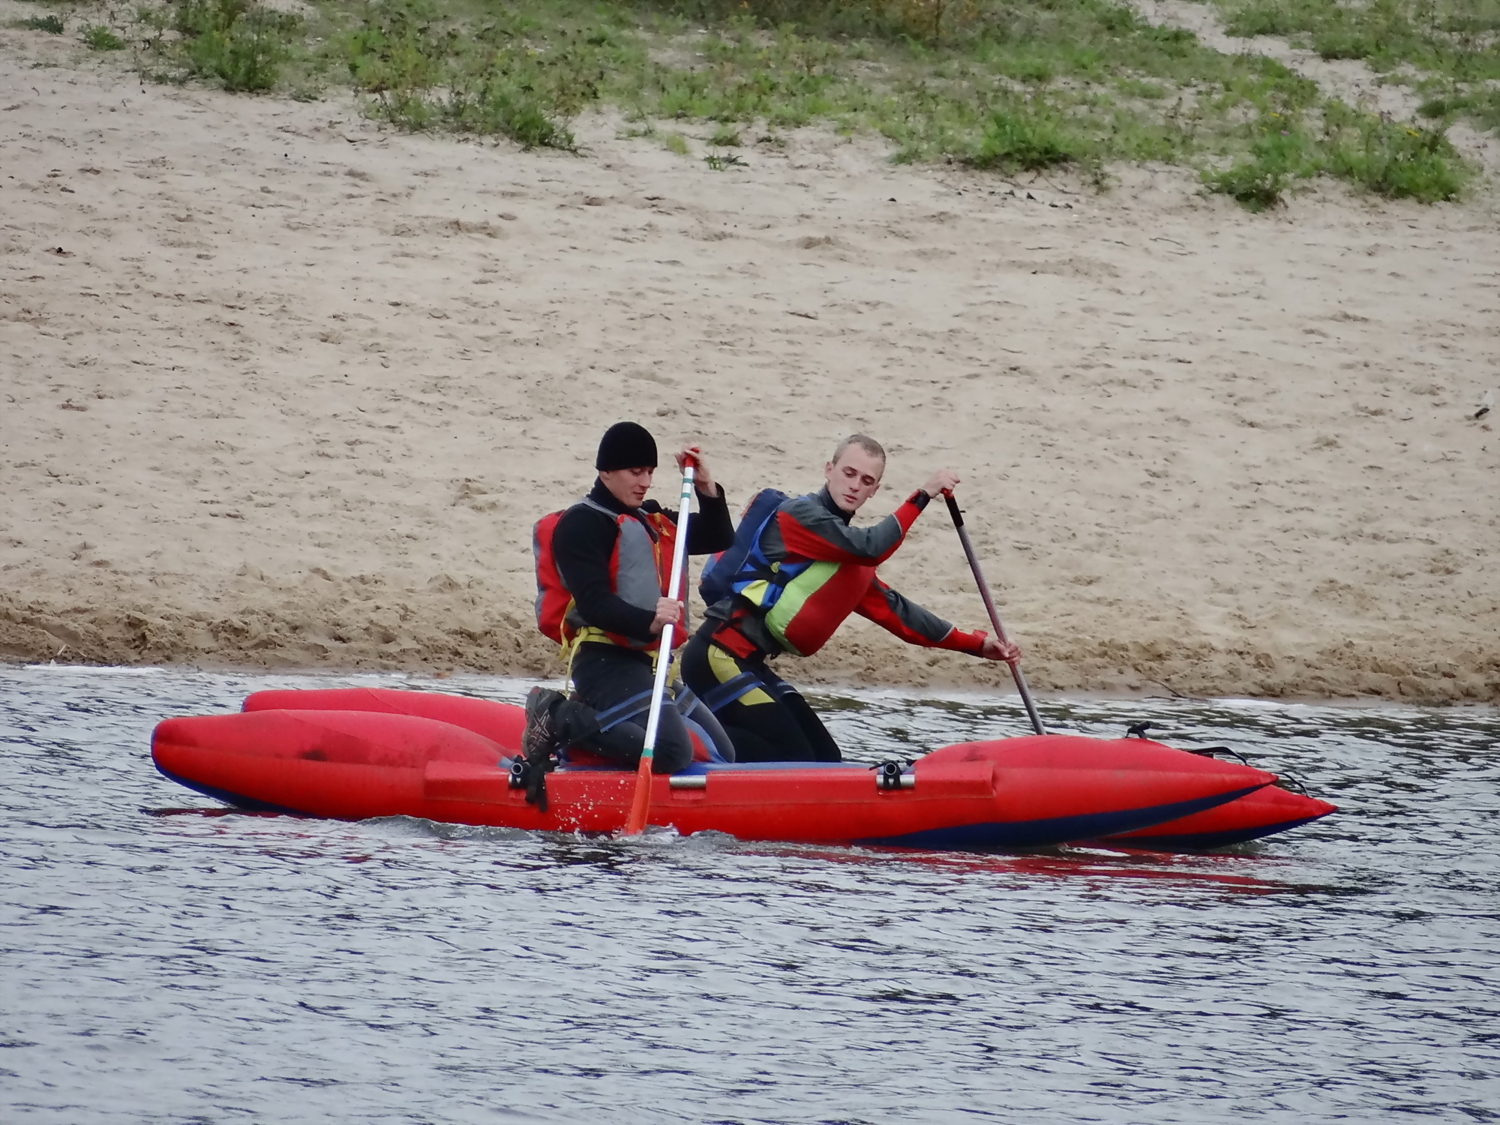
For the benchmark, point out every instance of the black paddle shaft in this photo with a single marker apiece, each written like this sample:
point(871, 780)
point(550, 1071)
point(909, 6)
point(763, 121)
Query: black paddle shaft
point(989, 605)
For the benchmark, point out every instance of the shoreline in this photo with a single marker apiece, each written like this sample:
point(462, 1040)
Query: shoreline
point(262, 641)
point(286, 390)
point(436, 682)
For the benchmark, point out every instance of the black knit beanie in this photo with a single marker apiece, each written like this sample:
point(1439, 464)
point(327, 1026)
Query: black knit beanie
point(626, 445)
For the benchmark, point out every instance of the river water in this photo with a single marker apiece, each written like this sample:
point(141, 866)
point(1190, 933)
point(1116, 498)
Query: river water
point(162, 963)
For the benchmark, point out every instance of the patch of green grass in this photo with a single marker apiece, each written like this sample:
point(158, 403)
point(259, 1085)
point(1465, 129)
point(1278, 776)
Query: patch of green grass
point(1262, 17)
point(1028, 136)
point(720, 162)
point(1134, 88)
point(1018, 86)
point(856, 20)
point(490, 105)
point(938, 98)
point(237, 43)
point(1392, 159)
point(1387, 158)
point(424, 71)
point(99, 38)
point(1280, 154)
point(51, 24)
point(1480, 106)
point(1457, 41)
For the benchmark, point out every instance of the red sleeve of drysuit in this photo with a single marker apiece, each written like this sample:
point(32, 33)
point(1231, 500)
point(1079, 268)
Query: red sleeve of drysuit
point(913, 624)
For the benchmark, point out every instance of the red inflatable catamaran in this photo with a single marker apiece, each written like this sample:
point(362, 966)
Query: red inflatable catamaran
point(371, 752)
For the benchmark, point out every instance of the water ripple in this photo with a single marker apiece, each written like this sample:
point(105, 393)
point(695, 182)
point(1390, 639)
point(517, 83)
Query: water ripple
point(163, 962)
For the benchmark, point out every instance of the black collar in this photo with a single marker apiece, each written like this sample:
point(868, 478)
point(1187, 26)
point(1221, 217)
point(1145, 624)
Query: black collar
point(827, 498)
point(606, 499)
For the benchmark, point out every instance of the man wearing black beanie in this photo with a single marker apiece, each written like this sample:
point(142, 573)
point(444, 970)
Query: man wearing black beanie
point(626, 445)
point(613, 552)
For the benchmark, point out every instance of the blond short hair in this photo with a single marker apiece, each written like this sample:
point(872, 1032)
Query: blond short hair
point(868, 444)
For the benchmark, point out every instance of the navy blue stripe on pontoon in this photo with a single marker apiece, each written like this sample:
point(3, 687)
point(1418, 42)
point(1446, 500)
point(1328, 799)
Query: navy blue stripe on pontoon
point(1204, 841)
point(1040, 833)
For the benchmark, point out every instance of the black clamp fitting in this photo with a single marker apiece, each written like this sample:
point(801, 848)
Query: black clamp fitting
point(888, 775)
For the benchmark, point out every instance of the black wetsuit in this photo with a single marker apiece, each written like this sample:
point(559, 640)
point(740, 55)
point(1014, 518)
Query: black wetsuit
point(608, 677)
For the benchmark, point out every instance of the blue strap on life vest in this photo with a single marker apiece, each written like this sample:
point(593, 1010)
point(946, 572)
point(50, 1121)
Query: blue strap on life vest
point(731, 689)
point(685, 699)
point(640, 704)
point(612, 717)
point(726, 572)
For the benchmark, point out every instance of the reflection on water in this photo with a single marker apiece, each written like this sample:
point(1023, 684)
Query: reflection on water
point(163, 962)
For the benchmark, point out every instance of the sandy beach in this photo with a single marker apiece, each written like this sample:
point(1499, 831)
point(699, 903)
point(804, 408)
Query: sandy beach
point(281, 388)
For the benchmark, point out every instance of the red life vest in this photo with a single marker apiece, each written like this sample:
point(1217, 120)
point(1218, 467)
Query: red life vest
point(639, 572)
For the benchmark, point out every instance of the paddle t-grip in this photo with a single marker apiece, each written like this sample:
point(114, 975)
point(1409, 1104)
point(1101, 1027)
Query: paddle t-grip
point(953, 509)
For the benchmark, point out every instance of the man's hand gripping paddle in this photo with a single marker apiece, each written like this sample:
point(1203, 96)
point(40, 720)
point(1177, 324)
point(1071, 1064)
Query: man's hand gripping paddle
point(989, 604)
point(641, 805)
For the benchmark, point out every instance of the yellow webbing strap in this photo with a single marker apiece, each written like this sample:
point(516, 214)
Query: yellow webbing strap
point(592, 633)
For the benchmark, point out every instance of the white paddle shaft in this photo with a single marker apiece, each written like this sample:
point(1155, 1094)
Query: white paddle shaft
point(674, 590)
